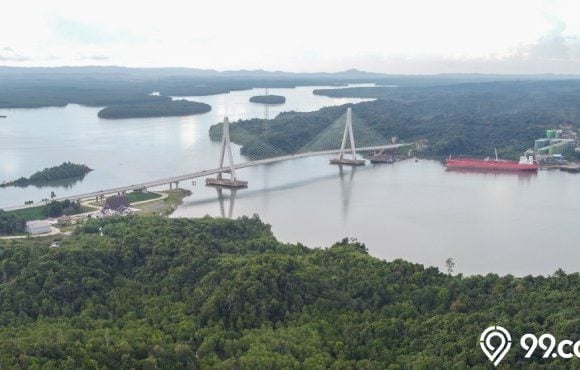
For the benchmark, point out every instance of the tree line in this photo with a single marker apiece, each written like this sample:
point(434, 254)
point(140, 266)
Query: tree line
point(455, 119)
point(151, 292)
point(66, 170)
point(157, 108)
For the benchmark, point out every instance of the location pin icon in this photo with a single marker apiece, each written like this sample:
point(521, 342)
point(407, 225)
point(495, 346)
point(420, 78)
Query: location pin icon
point(495, 354)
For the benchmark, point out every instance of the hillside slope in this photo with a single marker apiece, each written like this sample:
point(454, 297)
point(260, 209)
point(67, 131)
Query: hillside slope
point(179, 293)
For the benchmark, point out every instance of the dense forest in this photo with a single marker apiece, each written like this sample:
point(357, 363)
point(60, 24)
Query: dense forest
point(268, 99)
point(106, 86)
point(11, 224)
point(152, 292)
point(468, 118)
point(59, 208)
point(66, 170)
point(159, 108)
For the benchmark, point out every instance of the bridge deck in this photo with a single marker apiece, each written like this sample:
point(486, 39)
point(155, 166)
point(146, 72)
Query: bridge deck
point(194, 175)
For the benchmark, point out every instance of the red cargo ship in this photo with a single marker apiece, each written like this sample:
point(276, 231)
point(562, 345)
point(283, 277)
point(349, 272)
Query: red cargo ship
point(487, 164)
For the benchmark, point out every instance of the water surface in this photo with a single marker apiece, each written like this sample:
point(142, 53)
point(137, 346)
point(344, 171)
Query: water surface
point(127, 151)
point(503, 223)
point(487, 222)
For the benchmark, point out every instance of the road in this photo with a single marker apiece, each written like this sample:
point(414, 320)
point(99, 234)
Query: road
point(205, 173)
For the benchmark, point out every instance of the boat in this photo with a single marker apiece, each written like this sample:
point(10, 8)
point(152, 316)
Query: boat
point(1, 116)
point(487, 164)
point(381, 158)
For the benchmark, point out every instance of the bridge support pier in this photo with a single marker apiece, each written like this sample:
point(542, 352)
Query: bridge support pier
point(219, 180)
point(348, 135)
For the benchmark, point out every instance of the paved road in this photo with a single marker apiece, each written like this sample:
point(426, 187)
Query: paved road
point(213, 171)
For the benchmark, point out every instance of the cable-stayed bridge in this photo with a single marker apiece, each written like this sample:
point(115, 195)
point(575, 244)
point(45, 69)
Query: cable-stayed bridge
point(346, 155)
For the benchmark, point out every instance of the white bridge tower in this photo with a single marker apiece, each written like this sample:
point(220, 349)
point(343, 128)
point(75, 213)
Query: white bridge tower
point(348, 135)
point(219, 181)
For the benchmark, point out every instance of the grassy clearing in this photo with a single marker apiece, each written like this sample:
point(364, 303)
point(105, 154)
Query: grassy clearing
point(134, 197)
point(164, 206)
point(29, 214)
point(37, 213)
point(140, 196)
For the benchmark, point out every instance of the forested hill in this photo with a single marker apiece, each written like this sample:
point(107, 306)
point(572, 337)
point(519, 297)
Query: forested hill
point(107, 86)
point(163, 108)
point(268, 99)
point(469, 118)
point(64, 171)
point(215, 293)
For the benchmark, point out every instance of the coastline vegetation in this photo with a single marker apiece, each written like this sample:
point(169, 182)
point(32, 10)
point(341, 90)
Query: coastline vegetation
point(461, 119)
point(107, 86)
point(64, 171)
point(153, 292)
point(158, 108)
point(268, 99)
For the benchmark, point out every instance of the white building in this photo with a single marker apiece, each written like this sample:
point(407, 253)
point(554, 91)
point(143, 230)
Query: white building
point(37, 227)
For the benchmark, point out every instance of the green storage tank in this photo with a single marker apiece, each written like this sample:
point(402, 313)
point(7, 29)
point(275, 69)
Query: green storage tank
point(544, 151)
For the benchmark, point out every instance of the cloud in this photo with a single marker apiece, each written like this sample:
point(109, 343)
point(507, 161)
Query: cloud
point(8, 54)
point(445, 36)
point(90, 33)
point(554, 45)
point(94, 57)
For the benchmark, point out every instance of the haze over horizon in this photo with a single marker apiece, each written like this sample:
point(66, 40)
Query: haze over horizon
point(395, 37)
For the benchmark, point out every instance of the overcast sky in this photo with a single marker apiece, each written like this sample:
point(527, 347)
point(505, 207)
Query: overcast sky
point(402, 36)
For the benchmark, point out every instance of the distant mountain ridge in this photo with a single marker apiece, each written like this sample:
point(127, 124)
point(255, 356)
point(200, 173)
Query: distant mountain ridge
point(179, 71)
point(101, 86)
point(353, 73)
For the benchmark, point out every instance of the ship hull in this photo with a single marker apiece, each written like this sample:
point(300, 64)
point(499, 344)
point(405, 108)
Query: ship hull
point(489, 165)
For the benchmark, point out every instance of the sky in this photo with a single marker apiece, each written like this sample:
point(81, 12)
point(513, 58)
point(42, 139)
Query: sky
point(401, 37)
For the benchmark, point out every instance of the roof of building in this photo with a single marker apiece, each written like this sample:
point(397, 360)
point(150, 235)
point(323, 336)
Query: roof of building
point(116, 202)
point(40, 223)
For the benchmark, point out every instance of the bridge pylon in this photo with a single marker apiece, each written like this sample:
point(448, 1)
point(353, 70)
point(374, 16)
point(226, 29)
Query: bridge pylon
point(348, 135)
point(219, 180)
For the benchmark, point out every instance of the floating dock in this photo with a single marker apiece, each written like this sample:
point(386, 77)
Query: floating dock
point(572, 168)
point(226, 183)
point(381, 158)
point(348, 162)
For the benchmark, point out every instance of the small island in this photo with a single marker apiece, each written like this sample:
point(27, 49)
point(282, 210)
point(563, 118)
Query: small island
point(268, 99)
point(65, 171)
point(163, 108)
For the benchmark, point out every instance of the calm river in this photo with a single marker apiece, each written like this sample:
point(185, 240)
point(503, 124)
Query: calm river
point(502, 223)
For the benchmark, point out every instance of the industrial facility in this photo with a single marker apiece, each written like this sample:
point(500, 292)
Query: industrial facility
point(558, 149)
point(556, 142)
